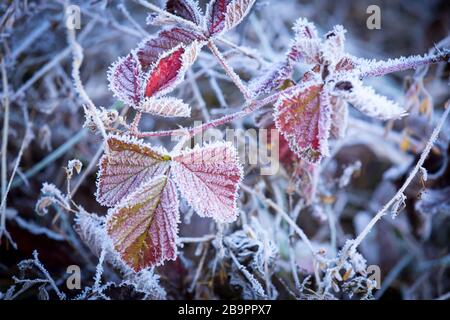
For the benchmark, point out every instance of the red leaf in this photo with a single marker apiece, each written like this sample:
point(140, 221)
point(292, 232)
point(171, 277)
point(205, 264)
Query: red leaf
point(303, 118)
point(216, 10)
point(128, 164)
point(150, 50)
point(208, 178)
point(143, 227)
point(169, 71)
point(186, 9)
point(125, 80)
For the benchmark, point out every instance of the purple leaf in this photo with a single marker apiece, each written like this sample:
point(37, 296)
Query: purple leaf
point(150, 50)
point(165, 107)
point(208, 178)
point(127, 165)
point(186, 9)
point(125, 80)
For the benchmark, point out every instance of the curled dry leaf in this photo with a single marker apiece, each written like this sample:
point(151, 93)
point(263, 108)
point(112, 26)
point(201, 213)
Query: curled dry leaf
point(143, 227)
point(165, 107)
point(208, 178)
point(303, 118)
point(127, 165)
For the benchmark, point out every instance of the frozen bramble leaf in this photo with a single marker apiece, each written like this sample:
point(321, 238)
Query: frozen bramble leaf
point(215, 12)
point(306, 45)
point(236, 12)
point(223, 15)
point(170, 70)
point(127, 165)
point(208, 178)
point(165, 107)
point(366, 100)
point(125, 80)
point(303, 118)
point(186, 9)
point(143, 227)
point(150, 50)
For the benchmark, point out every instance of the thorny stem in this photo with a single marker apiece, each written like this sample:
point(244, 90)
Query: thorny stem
point(246, 110)
point(230, 72)
point(398, 196)
point(382, 68)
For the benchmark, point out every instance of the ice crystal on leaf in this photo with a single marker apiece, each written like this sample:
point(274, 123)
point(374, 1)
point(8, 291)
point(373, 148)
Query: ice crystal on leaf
point(366, 100)
point(143, 227)
point(151, 49)
point(165, 107)
point(208, 178)
point(223, 15)
point(128, 164)
point(170, 70)
point(125, 79)
point(304, 120)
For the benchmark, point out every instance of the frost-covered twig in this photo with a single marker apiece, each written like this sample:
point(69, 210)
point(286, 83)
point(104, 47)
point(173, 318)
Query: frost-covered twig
point(400, 193)
point(76, 64)
point(380, 68)
point(230, 72)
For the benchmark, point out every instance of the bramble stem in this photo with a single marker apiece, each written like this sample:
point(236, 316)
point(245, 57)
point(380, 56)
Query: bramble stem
point(246, 110)
point(410, 178)
point(230, 72)
point(381, 68)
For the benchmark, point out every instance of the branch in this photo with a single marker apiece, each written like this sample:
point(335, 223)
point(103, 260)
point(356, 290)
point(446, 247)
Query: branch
point(76, 64)
point(399, 195)
point(230, 72)
point(380, 68)
point(246, 110)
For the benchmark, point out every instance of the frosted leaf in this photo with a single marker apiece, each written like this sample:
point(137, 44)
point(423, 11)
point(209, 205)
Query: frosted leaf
point(128, 164)
point(271, 79)
point(306, 43)
point(151, 49)
point(143, 227)
point(125, 80)
point(303, 117)
point(236, 12)
point(208, 178)
point(339, 117)
point(170, 70)
point(366, 100)
point(186, 9)
point(215, 16)
point(91, 229)
point(346, 63)
point(434, 201)
point(333, 46)
point(165, 107)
